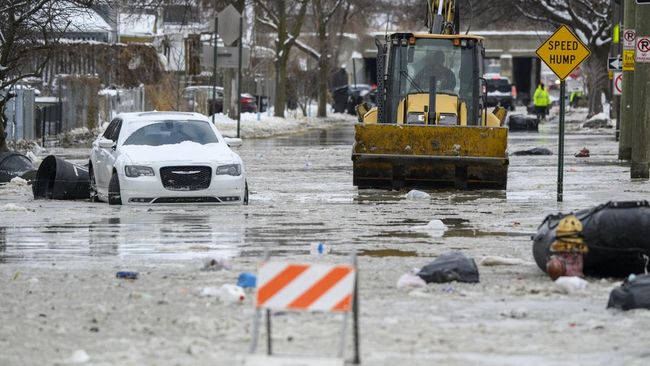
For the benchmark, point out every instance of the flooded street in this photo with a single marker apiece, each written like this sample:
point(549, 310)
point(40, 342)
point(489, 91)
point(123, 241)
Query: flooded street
point(301, 193)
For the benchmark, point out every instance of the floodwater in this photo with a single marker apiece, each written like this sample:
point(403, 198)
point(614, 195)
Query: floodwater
point(301, 192)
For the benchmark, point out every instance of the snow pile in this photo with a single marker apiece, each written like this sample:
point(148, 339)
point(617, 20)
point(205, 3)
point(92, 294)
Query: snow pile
point(269, 126)
point(571, 285)
point(17, 182)
point(13, 207)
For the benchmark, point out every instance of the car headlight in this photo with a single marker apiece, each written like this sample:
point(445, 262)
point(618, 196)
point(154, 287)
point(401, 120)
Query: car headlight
point(230, 169)
point(138, 171)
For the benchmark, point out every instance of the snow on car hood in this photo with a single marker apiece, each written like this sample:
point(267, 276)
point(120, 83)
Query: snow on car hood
point(186, 151)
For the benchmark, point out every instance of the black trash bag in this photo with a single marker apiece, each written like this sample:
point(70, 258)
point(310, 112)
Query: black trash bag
point(534, 151)
point(14, 165)
point(634, 294)
point(452, 266)
point(520, 122)
point(616, 234)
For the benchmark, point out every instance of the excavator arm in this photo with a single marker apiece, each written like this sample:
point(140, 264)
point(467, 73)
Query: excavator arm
point(443, 17)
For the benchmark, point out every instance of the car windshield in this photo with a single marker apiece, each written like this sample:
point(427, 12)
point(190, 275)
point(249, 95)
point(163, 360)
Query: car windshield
point(501, 85)
point(171, 132)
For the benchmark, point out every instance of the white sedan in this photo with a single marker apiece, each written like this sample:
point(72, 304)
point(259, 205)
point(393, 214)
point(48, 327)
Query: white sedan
point(165, 158)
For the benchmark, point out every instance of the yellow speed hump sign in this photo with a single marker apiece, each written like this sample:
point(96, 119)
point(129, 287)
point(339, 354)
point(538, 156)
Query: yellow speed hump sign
point(563, 51)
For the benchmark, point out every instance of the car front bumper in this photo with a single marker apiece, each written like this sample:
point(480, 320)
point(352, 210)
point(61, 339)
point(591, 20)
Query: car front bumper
point(223, 189)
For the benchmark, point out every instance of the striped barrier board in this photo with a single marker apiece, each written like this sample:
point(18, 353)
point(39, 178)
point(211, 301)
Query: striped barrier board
point(310, 287)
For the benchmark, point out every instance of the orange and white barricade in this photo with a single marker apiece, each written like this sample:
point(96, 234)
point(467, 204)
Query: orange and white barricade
point(305, 287)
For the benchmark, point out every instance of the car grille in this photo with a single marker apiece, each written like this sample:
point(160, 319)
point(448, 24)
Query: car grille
point(186, 178)
point(186, 200)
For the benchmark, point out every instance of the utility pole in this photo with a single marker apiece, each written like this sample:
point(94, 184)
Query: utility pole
point(641, 120)
point(627, 112)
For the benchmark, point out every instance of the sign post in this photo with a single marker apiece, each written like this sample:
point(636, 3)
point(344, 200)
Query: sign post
point(562, 52)
point(230, 30)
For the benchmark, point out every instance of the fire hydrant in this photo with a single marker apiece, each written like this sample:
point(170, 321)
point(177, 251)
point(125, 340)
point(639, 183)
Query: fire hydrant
point(567, 250)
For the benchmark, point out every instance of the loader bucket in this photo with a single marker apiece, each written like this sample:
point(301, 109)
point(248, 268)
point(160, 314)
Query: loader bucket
point(407, 156)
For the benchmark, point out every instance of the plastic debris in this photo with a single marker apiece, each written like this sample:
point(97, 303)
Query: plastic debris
point(634, 293)
point(417, 195)
point(435, 228)
point(216, 264)
point(319, 248)
point(78, 357)
point(452, 266)
point(584, 153)
point(410, 281)
point(127, 275)
point(493, 260)
point(231, 294)
point(571, 284)
point(247, 280)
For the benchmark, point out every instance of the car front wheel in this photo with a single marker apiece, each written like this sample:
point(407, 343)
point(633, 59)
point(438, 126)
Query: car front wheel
point(114, 197)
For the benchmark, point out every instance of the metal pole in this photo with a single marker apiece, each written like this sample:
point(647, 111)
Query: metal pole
point(269, 342)
point(355, 312)
point(560, 149)
point(214, 65)
point(627, 112)
point(354, 73)
point(241, 31)
point(641, 120)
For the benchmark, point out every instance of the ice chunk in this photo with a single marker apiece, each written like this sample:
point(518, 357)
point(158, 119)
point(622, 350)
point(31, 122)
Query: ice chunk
point(78, 357)
point(435, 228)
point(410, 281)
point(570, 285)
point(417, 195)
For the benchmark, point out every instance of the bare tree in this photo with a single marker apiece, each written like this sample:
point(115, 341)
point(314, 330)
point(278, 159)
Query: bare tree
point(591, 20)
point(322, 13)
point(27, 27)
point(285, 18)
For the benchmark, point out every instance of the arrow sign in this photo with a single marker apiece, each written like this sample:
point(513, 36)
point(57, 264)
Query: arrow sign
point(615, 63)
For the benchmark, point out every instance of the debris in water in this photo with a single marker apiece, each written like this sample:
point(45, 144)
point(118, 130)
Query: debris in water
point(410, 281)
point(247, 280)
point(127, 275)
point(78, 357)
point(435, 228)
point(533, 151)
point(584, 153)
point(319, 248)
point(493, 260)
point(570, 285)
point(452, 266)
point(417, 195)
point(216, 264)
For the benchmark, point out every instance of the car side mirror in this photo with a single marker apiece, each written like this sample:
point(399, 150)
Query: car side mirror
point(105, 143)
point(233, 142)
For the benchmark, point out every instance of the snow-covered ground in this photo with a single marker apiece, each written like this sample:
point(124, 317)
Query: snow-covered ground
point(268, 125)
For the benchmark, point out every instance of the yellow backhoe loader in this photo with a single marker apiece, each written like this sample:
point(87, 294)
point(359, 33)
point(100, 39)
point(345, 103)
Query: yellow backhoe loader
point(431, 126)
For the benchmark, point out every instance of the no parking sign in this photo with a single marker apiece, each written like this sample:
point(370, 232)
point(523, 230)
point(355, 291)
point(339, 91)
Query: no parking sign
point(643, 49)
point(618, 83)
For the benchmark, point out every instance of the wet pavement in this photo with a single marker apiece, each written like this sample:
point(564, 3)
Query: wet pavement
point(301, 192)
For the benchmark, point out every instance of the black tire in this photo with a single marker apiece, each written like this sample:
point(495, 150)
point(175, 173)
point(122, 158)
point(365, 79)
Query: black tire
point(246, 194)
point(93, 184)
point(114, 197)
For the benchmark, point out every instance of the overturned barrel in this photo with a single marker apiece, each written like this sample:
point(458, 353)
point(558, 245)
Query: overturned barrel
point(13, 164)
point(61, 180)
point(616, 234)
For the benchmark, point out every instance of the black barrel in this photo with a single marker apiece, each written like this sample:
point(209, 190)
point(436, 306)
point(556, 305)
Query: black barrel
point(61, 180)
point(13, 164)
point(617, 234)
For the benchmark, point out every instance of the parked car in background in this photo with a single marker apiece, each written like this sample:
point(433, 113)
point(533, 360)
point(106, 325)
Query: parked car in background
point(165, 158)
point(500, 91)
point(200, 97)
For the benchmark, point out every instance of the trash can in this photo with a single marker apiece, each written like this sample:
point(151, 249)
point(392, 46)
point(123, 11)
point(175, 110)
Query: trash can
point(61, 180)
point(13, 164)
point(340, 96)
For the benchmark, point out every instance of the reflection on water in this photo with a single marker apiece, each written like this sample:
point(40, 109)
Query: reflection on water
point(3, 244)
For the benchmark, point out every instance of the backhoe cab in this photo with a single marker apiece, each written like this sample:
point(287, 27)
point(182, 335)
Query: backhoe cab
point(431, 126)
